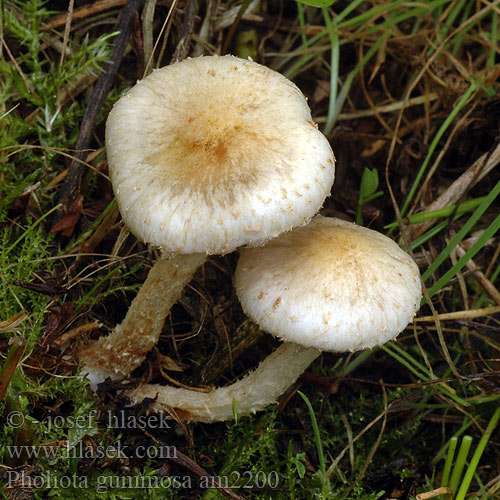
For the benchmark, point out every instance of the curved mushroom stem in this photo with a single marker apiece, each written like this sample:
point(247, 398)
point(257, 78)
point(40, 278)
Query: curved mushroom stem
point(252, 393)
point(118, 354)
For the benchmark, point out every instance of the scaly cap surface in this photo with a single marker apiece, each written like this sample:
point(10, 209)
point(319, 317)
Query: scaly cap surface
point(331, 285)
point(212, 153)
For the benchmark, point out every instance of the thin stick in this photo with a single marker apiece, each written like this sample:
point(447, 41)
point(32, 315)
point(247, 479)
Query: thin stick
point(475, 173)
point(165, 23)
point(72, 182)
point(487, 285)
point(67, 29)
point(453, 316)
point(83, 12)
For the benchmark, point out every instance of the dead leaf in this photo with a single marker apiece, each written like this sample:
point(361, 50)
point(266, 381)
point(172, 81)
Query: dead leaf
point(22, 486)
point(66, 224)
point(10, 325)
point(322, 91)
point(168, 363)
point(55, 320)
point(20, 203)
point(45, 288)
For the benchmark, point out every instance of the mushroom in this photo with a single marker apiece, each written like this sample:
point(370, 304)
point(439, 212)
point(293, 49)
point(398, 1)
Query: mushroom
point(205, 155)
point(328, 286)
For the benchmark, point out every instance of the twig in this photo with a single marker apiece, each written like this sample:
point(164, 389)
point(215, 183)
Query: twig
point(147, 32)
point(76, 332)
point(167, 24)
point(444, 490)
point(72, 182)
point(191, 465)
point(182, 460)
point(453, 316)
point(182, 49)
point(67, 29)
point(476, 172)
point(83, 12)
point(487, 285)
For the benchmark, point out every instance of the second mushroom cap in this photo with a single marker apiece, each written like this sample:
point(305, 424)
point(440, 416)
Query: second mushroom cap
point(331, 285)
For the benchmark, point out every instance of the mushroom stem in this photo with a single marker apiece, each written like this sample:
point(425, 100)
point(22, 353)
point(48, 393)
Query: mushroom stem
point(118, 354)
point(252, 393)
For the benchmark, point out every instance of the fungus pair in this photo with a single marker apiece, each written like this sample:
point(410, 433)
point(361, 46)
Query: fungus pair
point(214, 153)
point(327, 286)
point(205, 156)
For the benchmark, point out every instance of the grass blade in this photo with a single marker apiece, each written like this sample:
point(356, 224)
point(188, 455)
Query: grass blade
point(317, 438)
point(461, 103)
point(469, 474)
point(449, 461)
point(460, 462)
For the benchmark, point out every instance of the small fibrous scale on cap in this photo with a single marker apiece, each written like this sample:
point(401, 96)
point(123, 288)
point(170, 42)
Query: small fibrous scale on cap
point(198, 154)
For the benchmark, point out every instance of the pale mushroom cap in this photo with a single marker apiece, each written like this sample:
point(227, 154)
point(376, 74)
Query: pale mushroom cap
point(331, 285)
point(212, 153)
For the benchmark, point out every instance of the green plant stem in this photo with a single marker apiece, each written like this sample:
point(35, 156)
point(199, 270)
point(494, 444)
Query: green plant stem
point(450, 18)
point(353, 5)
point(31, 228)
point(464, 207)
point(352, 75)
point(295, 67)
point(317, 438)
point(458, 40)
point(430, 234)
point(461, 103)
point(460, 462)
point(441, 453)
point(357, 361)
point(334, 70)
point(469, 474)
point(302, 23)
point(473, 250)
point(449, 461)
point(393, 15)
point(419, 370)
point(463, 232)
